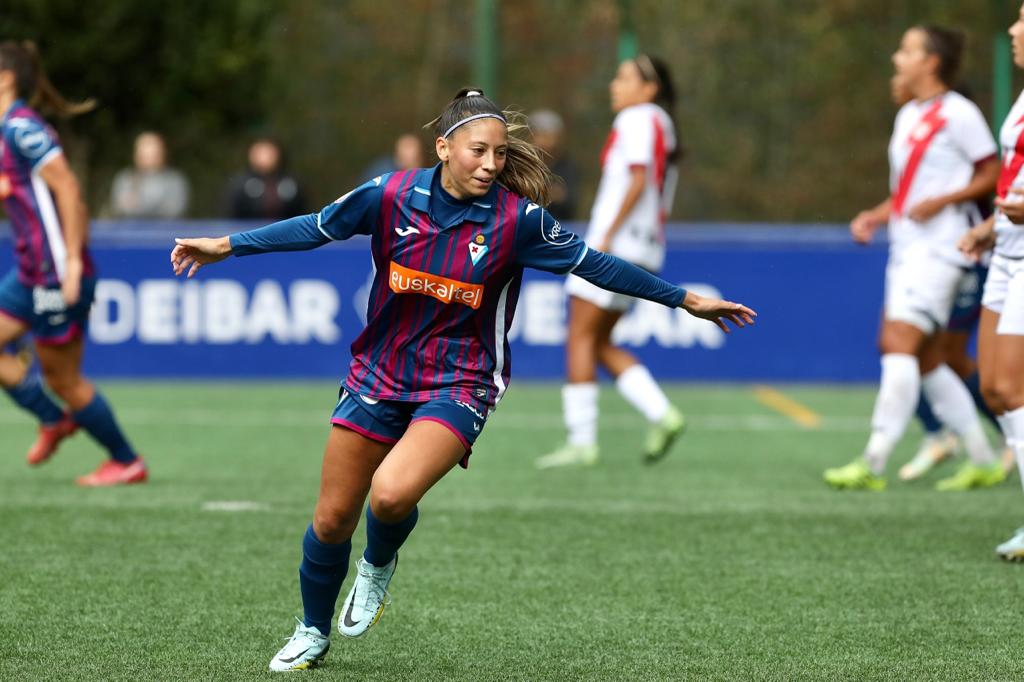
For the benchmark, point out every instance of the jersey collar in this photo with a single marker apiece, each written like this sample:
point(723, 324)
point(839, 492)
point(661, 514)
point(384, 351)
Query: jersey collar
point(479, 211)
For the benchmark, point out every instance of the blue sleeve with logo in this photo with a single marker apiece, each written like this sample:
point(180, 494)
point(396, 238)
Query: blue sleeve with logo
point(353, 213)
point(622, 277)
point(31, 140)
point(542, 243)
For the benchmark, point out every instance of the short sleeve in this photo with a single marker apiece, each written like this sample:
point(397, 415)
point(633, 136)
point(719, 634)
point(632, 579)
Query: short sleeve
point(32, 140)
point(972, 135)
point(542, 243)
point(634, 131)
point(353, 213)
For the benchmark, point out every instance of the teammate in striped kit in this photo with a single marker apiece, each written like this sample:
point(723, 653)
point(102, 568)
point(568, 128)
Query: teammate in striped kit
point(1001, 332)
point(50, 291)
point(942, 160)
point(449, 245)
point(638, 179)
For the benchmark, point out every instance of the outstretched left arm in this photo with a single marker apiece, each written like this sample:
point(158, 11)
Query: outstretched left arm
point(615, 274)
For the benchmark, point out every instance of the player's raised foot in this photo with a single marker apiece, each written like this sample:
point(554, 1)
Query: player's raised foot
point(1008, 461)
point(365, 603)
point(854, 476)
point(1013, 549)
point(971, 476)
point(661, 435)
point(933, 451)
point(305, 649)
point(568, 455)
point(112, 472)
point(49, 439)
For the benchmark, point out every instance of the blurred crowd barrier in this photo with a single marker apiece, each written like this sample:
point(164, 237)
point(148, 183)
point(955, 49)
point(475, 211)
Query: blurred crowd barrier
point(294, 315)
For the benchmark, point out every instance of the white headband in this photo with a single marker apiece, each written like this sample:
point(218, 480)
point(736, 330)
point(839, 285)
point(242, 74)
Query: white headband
point(474, 117)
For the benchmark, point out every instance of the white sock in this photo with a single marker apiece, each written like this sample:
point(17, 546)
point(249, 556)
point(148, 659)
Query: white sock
point(1015, 420)
point(579, 407)
point(953, 405)
point(640, 389)
point(894, 406)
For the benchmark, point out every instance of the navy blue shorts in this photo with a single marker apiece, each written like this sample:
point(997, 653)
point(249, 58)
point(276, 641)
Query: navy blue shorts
point(967, 304)
point(386, 421)
point(43, 310)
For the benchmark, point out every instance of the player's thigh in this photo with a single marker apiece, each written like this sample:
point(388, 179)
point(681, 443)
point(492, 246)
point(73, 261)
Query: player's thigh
point(11, 329)
point(426, 452)
point(350, 460)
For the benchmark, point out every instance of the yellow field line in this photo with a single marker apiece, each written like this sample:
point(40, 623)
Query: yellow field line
point(801, 414)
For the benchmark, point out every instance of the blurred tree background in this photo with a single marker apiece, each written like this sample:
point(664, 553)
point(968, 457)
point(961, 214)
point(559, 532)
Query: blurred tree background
point(784, 109)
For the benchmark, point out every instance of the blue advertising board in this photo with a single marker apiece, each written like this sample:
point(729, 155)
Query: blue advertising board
point(293, 315)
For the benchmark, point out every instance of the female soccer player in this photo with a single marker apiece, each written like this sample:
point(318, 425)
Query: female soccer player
point(1001, 332)
point(449, 245)
point(638, 180)
point(49, 293)
point(942, 159)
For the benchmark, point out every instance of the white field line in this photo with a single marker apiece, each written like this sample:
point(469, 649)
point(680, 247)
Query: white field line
point(501, 421)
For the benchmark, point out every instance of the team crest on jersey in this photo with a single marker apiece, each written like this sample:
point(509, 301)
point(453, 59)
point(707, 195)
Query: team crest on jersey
point(477, 248)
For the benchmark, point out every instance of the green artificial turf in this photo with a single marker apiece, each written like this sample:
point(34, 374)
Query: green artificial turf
point(729, 560)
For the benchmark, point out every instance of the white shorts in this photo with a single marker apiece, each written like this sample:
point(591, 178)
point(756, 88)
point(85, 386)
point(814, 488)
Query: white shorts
point(920, 288)
point(1004, 294)
point(602, 298)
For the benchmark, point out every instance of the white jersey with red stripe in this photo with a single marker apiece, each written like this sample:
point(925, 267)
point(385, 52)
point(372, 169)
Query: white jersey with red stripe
point(642, 135)
point(933, 152)
point(1010, 237)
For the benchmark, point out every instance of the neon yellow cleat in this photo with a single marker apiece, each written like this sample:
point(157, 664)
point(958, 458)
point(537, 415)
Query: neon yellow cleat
point(854, 476)
point(660, 436)
point(568, 455)
point(971, 476)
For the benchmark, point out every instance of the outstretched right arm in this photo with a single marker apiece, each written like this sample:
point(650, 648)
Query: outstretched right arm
point(354, 213)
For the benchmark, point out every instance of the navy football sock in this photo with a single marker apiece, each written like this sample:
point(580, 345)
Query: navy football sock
point(974, 385)
point(321, 573)
point(384, 539)
point(928, 420)
point(98, 419)
point(30, 396)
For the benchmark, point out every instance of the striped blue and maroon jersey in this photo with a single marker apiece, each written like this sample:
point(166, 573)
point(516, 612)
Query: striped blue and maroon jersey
point(27, 144)
point(447, 280)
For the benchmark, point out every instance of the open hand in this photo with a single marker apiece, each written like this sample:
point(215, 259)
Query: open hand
point(977, 240)
point(863, 227)
point(718, 311)
point(192, 254)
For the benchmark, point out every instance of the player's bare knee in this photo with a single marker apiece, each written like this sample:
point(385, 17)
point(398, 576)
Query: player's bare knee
point(334, 523)
point(1009, 392)
point(390, 503)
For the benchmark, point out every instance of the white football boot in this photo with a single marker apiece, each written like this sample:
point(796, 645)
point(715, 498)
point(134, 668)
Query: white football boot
point(304, 650)
point(1013, 549)
point(365, 603)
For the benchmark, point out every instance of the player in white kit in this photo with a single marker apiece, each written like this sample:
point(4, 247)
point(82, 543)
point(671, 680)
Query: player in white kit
point(638, 178)
point(942, 159)
point(1001, 333)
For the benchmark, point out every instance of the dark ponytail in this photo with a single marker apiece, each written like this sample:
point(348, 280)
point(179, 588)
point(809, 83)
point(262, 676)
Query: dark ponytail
point(655, 70)
point(31, 82)
point(525, 172)
point(948, 45)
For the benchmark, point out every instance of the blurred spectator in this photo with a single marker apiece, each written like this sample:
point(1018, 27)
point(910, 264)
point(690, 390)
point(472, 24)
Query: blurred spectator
point(265, 191)
point(150, 189)
point(408, 154)
point(548, 134)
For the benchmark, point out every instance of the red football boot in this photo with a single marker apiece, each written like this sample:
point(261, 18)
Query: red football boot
point(112, 472)
point(50, 437)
